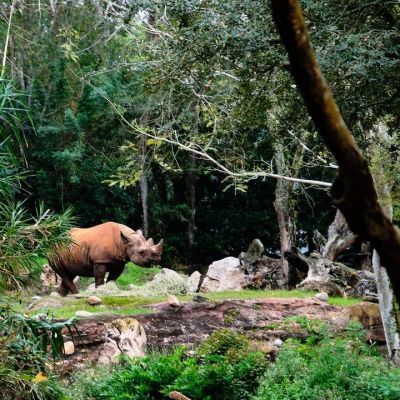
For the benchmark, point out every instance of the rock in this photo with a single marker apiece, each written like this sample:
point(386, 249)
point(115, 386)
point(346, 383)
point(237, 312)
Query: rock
point(36, 298)
point(177, 396)
point(48, 279)
point(84, 314)
point(371, 297)
point(49, 304)
point(266, 274)
point(253, 254)
point(123, 336)
point(193, 282)
point(366, 287)
point(131, 286)
point(200, 299)
point(91, 287)
point(323, 296)
point(29, 306)
point(192, 322)
point(40, 316)
point(69, 347)
point(327, 276)
point(368, 314)
point(94, 300)
point(55, 294)
point(173, 301)
point(278, 342)
point(225, 274)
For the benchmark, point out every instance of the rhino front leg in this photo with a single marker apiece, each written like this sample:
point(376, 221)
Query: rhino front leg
point(67, 285)
point(99, 274)
point(115, 273)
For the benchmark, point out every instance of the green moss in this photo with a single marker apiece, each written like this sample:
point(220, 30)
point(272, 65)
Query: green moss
point(136, 275)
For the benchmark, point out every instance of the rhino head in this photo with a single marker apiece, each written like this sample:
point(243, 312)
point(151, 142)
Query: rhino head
point(140, 251)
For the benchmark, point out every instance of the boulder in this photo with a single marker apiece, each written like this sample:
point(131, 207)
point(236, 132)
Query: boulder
point(366, 287)
point(322, 296)
point(266, 274)
point(173, 301)
point(368, 314)
point(253, 254)
point(49, 280)
point(69, 347)
point(193, 282)
point(328, 276)
point(225, 274)
point(84, 314)
point(123, 336)
point(94, 300)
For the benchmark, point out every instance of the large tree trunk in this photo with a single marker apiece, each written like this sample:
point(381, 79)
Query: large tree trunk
point(353, 190)
point(283, 196)
point(144, 188)
point(283, 204)
point(191, 184)
point(387, 303)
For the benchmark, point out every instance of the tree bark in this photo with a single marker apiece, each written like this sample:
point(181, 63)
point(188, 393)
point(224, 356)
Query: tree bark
point(191, 184)
point(339, 237)
point(353, 191)
point(144, 188)
point(283, 204)
point(387, 304)
point(282, 207)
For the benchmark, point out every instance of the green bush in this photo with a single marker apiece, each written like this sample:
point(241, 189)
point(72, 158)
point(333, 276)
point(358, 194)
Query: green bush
point(24, 358)
point(216, 372)
point(337, 368)
point(326, 366)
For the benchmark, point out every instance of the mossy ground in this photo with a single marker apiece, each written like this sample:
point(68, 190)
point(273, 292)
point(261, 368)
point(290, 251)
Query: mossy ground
point(132, 305)
point(133, 274)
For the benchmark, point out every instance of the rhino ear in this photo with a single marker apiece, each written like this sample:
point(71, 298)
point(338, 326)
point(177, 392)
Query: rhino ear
point(139, 232)
point(124, 238)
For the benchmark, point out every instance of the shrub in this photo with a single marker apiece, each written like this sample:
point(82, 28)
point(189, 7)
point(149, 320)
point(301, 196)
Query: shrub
point(24, 366)
point(216, 372)
point(340, 368)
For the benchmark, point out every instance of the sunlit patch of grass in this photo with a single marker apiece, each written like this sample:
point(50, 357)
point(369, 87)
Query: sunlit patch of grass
point(135, 275)
point(266, 294)
point(344, 301)
point(257, 294)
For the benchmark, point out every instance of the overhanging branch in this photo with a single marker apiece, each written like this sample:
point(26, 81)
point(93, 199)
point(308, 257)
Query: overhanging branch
point(201, 153)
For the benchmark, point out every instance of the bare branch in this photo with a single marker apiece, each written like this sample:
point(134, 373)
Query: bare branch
point(3, 65)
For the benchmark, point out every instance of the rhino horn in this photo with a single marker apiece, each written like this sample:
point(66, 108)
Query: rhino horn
point(139, 232)
point(159, 246)
point(150, 242)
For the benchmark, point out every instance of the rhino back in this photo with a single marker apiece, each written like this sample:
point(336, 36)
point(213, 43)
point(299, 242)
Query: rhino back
point(102, 243)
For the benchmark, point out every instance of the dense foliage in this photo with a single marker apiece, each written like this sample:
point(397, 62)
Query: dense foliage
point(25, 369)
point(226, 366)
point(210, 76)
